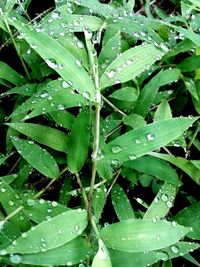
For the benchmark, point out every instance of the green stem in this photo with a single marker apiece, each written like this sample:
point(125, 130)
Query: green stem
point(113, 106)
point(15, 46)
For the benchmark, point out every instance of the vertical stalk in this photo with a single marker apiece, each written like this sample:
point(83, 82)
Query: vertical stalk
point(94, 67)
point(15, 46)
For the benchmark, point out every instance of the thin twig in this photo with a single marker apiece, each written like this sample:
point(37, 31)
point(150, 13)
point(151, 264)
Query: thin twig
point(114, 181)
point(113, 106)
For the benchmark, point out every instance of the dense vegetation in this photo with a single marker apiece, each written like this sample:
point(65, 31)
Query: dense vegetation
point(99, 123)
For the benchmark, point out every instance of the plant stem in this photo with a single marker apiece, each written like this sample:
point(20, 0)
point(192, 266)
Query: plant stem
point(15, 46)
point(94, 67)
point(113, 106)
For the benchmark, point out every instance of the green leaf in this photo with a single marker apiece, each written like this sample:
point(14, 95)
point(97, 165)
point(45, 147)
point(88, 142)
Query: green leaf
point(137, 235)
point(63, 228)
point(63, 118)
point(162, 202)
point(65, 255)
point(191, 87)
point(163, 112)
point(150, 90)
point(105, 10)
point(134, 120)
point(110, 50)
point(28, 90)
point(70, 23)
point(184, 164)
point(155, 167)
point(99, 201)
point(121, 204)
point(143, 259)
point(125, 94)
point(40, 210)
point(189, 216)
point(79, 142)
point(102, 258)
point(43, 134)
point(10, 201)
point(189, 64)
point(10, 75)
point(57, 58)
point(37, 157)
point(130, 64)
point(145, 139)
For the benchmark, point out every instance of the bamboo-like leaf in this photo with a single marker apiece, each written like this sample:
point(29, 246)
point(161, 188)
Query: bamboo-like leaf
point(65, 255)
point(37, 157)
point(186, 165)
point(143, 259)
point(162, 202)
point(158, 168)
point(105, 10)
point(40, 210)
point(121, 204)
point(57, 58)
point(141, 141)
point(189, 216)
point(150, 90)
point(163, 112)
point(99, 201)
point(27, 90)
point(130, 64)
point(79, 143)
point(43, 134)
point(10, 75)
point(138, 235)
point(10, 201)
point(102, 258)
point(52, 233)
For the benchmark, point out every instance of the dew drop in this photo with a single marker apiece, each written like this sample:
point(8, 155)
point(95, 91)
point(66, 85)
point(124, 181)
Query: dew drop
point(61, 107)
point(150, 137)
point(69, 263)
point(51, 63)
point(132, 157)
point(164, 197)
point(137, 141)
point(111, 73)
point(15, 258)
point(78, 63)
point(116, 149)
point(65, 84)
point(175, 249)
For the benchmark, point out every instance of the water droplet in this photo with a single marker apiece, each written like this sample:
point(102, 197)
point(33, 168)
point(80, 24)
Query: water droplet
point(164, 197)
point(137, 141)
point(30, 142)
point(3, 190)
point(158, 237)
point(15, 258)
point(65, 84)
point(116, 149)
point(51, 63)
point(30, 202)
point(175, 249)
point(24, 235)
point(132, 157)
point(86, 95)
point(69, 263)
point(3, 252)
point(54, 203)
point(150, 137)
point(11, 203)
point(111, 73)
point(156, 200)
point(61, 107)
point(80, 44)
point(169, 204)
point(44, 95)
point(78, 63)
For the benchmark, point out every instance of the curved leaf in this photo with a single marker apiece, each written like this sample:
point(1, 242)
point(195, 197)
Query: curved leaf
point(57, 58)
point(37, 157)
point(138, 235)
point(51, 234)
point(130, 64)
